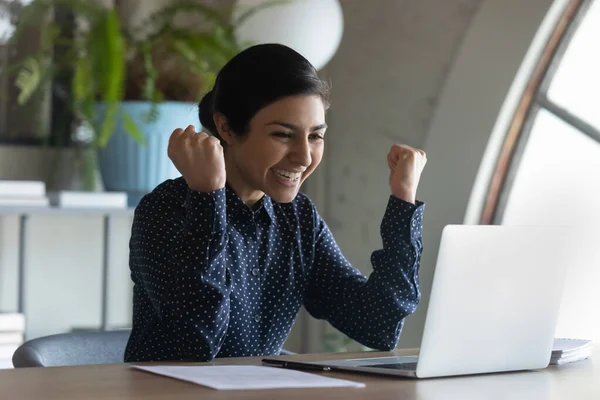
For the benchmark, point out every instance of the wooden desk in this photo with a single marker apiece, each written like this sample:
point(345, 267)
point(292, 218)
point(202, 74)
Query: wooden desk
point(574, 381)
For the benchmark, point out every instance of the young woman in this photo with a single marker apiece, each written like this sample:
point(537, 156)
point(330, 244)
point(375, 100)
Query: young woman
point(223, 258)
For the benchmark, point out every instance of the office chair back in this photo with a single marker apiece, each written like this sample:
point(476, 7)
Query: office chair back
point(77, 348)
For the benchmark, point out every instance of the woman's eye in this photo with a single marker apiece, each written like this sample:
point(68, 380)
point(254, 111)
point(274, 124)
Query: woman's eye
point(317, 136)
point(284, 135)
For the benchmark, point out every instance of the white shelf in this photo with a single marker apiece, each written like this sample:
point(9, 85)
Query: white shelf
point(24, 214)
point(17, 210)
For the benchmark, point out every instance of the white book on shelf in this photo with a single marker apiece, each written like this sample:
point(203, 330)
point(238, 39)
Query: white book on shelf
point(24, 201)
point(15, 188)
point(80, 199)
point(6, 363)
point(12, 322)
point(11, 337)
point(7, 350)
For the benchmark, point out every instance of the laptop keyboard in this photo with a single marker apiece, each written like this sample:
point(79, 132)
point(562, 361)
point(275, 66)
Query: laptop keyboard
point(410, 366)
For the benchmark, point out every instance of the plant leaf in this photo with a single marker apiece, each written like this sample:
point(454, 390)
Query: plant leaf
point(83, 84)
point(28, 79)
point(165, 16)
point(151, 72)
point(151, 115)
point(132, 129)
point(107, 126)
point(107, 54)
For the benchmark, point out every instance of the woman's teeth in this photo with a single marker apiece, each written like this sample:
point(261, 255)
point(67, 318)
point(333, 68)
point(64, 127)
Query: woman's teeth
point(288, 175)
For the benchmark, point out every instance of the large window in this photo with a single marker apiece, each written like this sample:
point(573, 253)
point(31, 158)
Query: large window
point(549, 169)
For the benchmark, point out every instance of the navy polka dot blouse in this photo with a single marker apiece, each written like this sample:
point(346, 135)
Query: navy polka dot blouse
point(215, 278)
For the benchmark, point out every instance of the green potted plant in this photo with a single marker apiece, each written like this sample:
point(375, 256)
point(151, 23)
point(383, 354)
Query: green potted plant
point(126, 88)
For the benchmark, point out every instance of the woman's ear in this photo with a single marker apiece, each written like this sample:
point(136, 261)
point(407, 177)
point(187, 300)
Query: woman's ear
point(225, 132)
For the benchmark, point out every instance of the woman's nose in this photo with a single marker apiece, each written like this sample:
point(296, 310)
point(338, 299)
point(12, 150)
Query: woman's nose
point(301, 153)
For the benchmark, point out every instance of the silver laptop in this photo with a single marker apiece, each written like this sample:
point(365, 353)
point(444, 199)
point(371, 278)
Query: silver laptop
point(494, 303)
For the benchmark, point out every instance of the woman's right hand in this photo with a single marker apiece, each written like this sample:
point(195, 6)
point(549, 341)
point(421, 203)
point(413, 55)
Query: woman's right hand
point(199, 158)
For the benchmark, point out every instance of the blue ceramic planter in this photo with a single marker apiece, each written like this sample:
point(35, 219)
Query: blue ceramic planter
point(137, 169)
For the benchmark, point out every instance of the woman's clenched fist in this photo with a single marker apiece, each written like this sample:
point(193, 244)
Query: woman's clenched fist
point(199, 158)
point(406, 164)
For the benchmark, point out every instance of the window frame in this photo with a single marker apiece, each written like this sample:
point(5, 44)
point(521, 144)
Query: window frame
point(533, 99)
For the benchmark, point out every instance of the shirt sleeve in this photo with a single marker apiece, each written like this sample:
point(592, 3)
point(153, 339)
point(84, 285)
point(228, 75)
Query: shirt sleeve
point(370, 311)
point(177, 257)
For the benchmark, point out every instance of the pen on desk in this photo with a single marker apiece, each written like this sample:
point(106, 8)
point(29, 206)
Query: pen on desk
point(294, 365)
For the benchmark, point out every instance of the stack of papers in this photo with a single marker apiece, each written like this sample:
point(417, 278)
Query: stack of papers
point(569, 350)
point(241, 377)
point(12, 329)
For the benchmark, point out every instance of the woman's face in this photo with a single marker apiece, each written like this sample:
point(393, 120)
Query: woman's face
point(282, 148)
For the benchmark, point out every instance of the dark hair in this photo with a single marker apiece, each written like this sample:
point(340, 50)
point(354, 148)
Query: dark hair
point(255, 78)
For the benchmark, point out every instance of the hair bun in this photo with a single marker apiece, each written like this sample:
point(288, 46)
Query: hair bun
point(206, 111)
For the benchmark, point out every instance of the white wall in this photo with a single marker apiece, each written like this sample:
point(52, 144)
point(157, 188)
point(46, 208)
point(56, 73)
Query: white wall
point(485, 68)
point(387, 77)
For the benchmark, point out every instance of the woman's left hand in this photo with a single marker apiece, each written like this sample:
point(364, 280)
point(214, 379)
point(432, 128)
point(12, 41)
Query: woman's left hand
point(406, 164)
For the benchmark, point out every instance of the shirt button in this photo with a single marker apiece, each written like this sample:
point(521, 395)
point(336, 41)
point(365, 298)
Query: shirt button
point(255, 271)
point(414, 223)
point(257, 317)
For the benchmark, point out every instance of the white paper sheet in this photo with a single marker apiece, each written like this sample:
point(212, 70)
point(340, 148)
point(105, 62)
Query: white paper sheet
point(238, 377)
